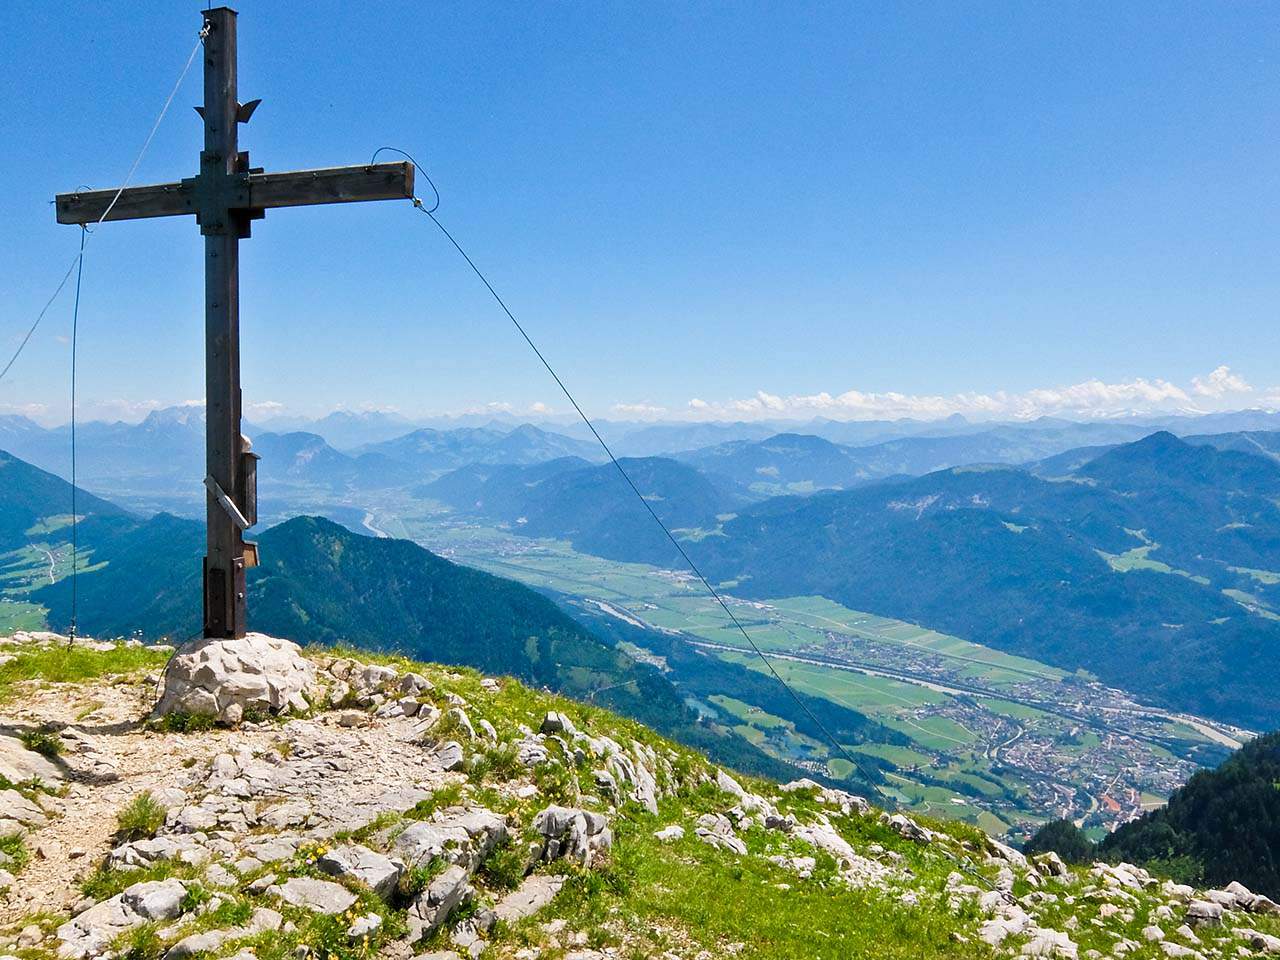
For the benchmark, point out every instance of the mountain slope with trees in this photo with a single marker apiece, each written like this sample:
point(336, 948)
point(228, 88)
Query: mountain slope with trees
point(1132, 569)
point(1223, 825)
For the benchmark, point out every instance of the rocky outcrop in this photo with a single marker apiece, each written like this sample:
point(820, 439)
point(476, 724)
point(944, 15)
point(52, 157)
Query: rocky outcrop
point(462, 836)
point(228, 679)
point(90, 933)
point(527, 899)
point(340, 820)
point(445, 893)
point(319, 896)
point(368, 868)
point(580, 836)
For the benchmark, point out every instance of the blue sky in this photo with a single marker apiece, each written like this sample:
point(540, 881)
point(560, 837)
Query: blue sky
point(898, 207)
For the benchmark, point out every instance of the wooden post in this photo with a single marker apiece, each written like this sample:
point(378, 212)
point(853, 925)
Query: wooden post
point(225, 196)
point(224, 573)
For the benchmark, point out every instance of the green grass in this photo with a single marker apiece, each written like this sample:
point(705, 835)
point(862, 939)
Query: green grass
point(15, 848)
point(1138, 559)
point(1268, 577)
point(141, 819)
point(662, 896)
point(183, 723)
point(56, 663)
point(105, 882)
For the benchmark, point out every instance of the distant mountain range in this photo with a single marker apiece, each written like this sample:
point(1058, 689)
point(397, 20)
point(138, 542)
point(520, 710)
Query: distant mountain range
point(1154, 566)
point(1153, 563)
point(157, 464)
point(430, 451)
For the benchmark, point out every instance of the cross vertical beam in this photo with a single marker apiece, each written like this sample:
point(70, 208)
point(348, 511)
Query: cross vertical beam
point(224, 562)
point(225, 196)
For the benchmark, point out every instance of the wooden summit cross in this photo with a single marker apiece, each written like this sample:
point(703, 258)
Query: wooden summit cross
point(225, 195)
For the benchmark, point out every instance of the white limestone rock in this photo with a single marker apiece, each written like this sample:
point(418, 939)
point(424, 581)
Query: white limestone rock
point(225, 678)
point(716, 830)
point(443, 895)
point(1204, 913)
point(581, 836)
point(319, 896)
point(380, 874)
point(19, 765)
point(90, 933)
point(14, 806)
point(463, 837)
point(527, 899)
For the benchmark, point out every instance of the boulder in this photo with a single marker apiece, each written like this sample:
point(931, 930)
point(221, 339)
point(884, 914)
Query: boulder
point(225, 678)
point(1262, 942)
point(364, 926)
point(90, 933)
point(145, 853)
point(156, 900)
point(14, 806)
point(556, 722)
point(415, 684)
point(531, 752)
point(716, 830)
point(189, 946)
point(581, 836)
point(1204, 913)
point(463, 837)
point(904, 826)
point(449, 755)
point(355, 862)
point(20, 765)
point(319, 896)
point(263, 920)
point(1050, 943)
point(443, 895)
point(527, 899)
point(1050, 863)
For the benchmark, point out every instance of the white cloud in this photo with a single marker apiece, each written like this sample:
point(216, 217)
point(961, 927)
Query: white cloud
point(539, 408)
point(1091, 398)
point(1219, 383)
point(264, 409)
point(638, 410)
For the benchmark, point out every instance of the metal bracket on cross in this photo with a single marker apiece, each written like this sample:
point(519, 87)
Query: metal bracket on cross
point(226, 503)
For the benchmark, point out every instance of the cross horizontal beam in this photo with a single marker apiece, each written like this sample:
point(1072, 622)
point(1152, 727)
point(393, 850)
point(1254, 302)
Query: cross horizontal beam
point(296, 188)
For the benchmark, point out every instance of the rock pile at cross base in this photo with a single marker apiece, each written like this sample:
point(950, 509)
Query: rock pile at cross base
point(356, 809)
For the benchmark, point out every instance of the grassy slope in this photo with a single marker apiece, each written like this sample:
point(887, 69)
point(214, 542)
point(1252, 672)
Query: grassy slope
point(647, 897)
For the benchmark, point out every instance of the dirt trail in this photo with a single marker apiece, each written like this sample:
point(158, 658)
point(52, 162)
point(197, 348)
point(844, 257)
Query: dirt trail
point(83, 819)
